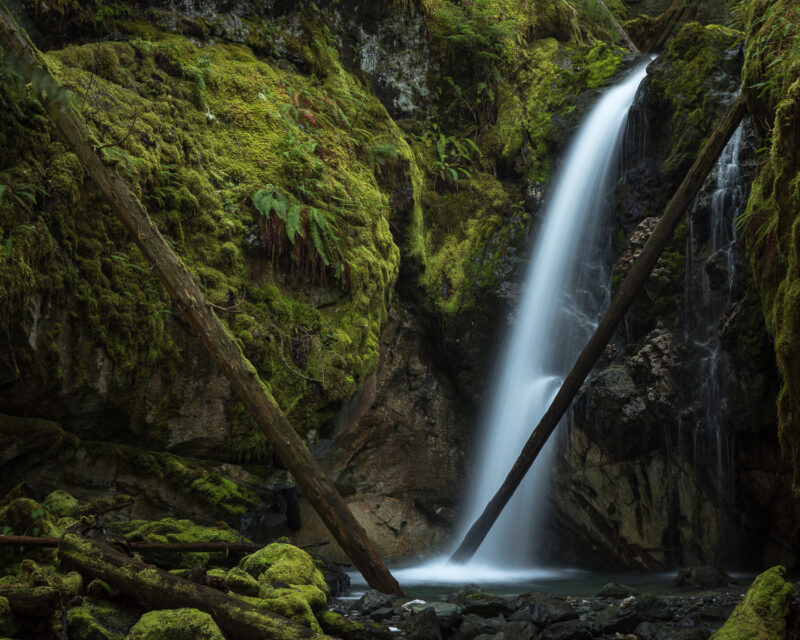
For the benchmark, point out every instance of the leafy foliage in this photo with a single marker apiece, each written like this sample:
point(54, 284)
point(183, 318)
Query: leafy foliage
point(312, 234)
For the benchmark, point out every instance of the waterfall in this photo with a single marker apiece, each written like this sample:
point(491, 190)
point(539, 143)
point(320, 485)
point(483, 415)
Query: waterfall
point(713, 237)
point(565, 290)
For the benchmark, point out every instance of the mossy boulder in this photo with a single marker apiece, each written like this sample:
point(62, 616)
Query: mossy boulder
point(9, 625)
point(283, 563)
point(26, 517)
point(175, 624)
point(336, 625)
point(763, 613)
point(241, 582)
point(289, 582)
point(61, 504)
point(95, 619)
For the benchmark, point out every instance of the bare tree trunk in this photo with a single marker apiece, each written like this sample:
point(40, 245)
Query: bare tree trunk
point(161, 590)
point(292, 451)
point(622, 301)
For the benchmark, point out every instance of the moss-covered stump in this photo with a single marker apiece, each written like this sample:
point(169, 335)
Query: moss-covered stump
point(763, 612)
point(26, 517)
point(175, 624)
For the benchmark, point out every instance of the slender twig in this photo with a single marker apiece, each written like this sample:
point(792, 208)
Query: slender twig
point(124, 138)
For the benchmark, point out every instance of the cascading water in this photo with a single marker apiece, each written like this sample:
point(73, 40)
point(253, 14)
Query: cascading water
point(705, 305)
point(565, 290)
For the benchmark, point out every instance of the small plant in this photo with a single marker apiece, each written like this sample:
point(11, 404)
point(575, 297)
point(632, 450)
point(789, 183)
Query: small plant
point(452, 154)
point(23, 195)
point(307, 233)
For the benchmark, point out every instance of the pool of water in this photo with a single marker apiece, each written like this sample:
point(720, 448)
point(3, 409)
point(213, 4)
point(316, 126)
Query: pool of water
point(437, 580)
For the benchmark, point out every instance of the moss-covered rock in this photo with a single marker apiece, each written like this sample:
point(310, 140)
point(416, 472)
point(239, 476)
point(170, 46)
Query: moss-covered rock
point(175, 624)
point(241, 582)
point(336, 625)
point(763, 613)
point(26, 517)
point(9, 625)
point(96, 619)
point(61, 504)
point(284, 564)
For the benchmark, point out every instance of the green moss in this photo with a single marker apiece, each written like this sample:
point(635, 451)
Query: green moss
point(287, 603)
point(770, 222)
point(337, 625)
point(97, 620)
point(176, 624)
point(763, 612)
point(283, 563)
point(26, 517)
point(241, 582)
point(9, 626)
point(61, 504)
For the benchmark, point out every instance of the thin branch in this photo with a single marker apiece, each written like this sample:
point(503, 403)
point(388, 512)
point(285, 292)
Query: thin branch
point(119, 142)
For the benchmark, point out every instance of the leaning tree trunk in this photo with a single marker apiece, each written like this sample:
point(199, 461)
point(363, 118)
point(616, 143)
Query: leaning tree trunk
point(622, 301)
point(665, 23)
point(191, 302)
point(633, 48)
point(159, 589)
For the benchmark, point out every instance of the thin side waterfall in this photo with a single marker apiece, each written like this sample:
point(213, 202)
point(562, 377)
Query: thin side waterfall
point(706, 302)
point(565, 290)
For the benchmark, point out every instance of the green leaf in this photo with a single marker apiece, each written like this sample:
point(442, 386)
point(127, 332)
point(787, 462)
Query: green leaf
point(294, 221)
point(37, 513)
point(3, 189)
point(9, 246)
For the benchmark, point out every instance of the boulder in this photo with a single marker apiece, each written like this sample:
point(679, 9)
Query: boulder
point(423, 626)
point(703, 577)
point(175, 624)
point(545, 609)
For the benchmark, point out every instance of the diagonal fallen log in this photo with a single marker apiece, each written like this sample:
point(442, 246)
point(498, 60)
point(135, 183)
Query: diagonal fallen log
point(31, 602)
point(631, 46)
point(196, 310)
point(622, 301)
point(159, 589)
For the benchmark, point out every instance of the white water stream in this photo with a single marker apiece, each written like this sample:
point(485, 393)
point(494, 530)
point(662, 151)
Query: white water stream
point(565, 290)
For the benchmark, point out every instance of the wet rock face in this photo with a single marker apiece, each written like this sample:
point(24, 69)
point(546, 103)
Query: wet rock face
point(397, 452)
point(673, 454)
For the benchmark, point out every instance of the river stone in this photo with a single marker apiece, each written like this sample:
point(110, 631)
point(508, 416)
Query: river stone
point(372, 600)
point(569, 630)
point(518, 631)
point(422, 626)
point(473, 626)
point(473, 599)
point(449, 614)
point(381, 614)
point(703, 577)
point(616, 590)
point(545, 609)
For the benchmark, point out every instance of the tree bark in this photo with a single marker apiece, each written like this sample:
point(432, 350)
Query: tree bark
point(290, 448)
point(176, 547)
point(161, 590)
point(622, 301)
point(633, 48)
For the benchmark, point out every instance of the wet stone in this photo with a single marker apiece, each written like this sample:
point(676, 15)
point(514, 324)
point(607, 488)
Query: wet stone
point(617, 591)
point(545, 609)
point(372, 600)
point(474, 626)
point(422, 626)
point(518, 631)
point(449, 614)
point(569, 630)
point(703, 577)
point(474, 600)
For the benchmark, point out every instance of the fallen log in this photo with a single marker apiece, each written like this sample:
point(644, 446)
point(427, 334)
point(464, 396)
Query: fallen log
point(176, 547)
point(197, 311)
point(168, 547)
point(31, 602)
point(620, 304)
point(631, 46)
point(159, 589)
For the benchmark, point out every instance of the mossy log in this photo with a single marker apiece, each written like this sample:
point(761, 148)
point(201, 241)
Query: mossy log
point(168, 547)
point(619, 306)
point(197, 311)
point(31, 602)
point(158, 589)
